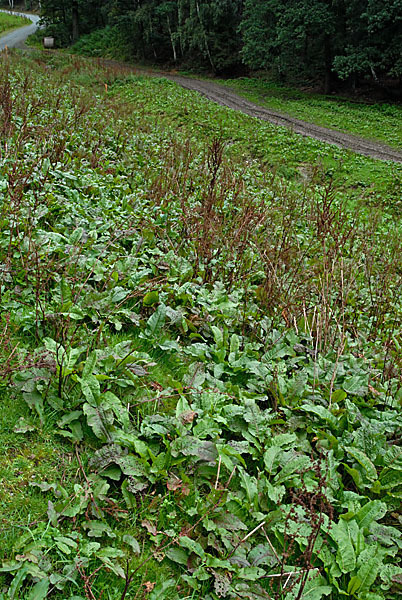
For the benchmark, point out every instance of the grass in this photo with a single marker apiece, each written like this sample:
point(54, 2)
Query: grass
point(26, 459)
point(10, 22)
point(292, 156)
point(181, 283)
point(381, 121)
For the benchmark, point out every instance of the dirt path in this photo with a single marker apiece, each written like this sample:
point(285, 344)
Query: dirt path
point(224, 96)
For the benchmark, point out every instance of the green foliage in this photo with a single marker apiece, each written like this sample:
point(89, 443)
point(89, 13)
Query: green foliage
point(8, 22)
point(106, 43)
point(212, 348)
point(329, 41)
point(358, 38)
point(180, 31)
point(333, 112)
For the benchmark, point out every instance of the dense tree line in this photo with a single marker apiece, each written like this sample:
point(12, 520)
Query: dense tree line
point(328, 39)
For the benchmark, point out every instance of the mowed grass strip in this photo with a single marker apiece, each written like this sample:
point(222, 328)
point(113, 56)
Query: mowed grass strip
point(380, 121)
point(10, 22)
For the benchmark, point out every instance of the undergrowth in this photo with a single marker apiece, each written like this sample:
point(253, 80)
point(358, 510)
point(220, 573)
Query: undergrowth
point(200, 349)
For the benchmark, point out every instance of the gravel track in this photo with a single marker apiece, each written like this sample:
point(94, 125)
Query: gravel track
point(225, 97)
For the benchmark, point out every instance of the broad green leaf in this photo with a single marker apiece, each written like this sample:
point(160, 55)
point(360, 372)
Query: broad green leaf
point(159, 591)
point(96, 420)
point(111, 402)
point(182, 406)
point(90, 387)
point(69, 417)
point(338, 396)
point(275, 492)
point(65, 544)
point(131, 465)
point(113, 565)
point(76, 236)
point(23, 426)
point(192, 545)
point(234, 344)
point(251, 591)
point(156, 321)
point(110, 552)
point(364, 461)
point(354, 584)
point(393, 458)
point(355, 474)
point(284, 440)
point(356, 385)
point(151, 298)
point(251, 573)
point(249, 484)
point(118, 294)
point(112, 472)
point(177, 555)
point(218, 563)
point(390, 574)
point(129, 497)
point(371, 563)
point(322, 412)
point(51, 513)
point(35, 402)
point(390, 478)
point(298, 464)
point(272, 459)
point(385, 535)
point(345, 556)
point(89, 365)
point(195, 376)
point(372, 511)
point(39, 590)
point(97, 529)
point(218, 336)
point(132, 542)
point(15, 586)
point(317, 592)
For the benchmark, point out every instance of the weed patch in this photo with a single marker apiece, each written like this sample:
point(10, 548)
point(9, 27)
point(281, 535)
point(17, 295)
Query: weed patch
point(200, 349)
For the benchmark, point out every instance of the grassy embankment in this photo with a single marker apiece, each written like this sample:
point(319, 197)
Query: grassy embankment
point(10, 22)
point(200, 348)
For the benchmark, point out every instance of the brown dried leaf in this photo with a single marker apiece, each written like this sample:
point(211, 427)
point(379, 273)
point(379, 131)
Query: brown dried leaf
point(150, 527)
point(149, 586)
point(188, 416)
point(185, 489)
point(174, 483)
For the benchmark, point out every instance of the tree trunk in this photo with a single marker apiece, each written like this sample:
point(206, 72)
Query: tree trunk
point(205, 36)
point(172, 40)
point(75, 19)
point(328, 65)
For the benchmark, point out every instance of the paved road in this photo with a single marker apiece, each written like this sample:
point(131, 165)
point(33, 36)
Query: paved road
point(16, 38)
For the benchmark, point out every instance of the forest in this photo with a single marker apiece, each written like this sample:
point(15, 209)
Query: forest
point(335, 42)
